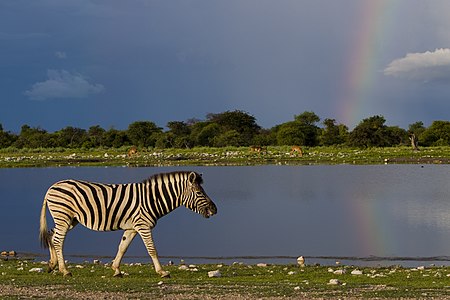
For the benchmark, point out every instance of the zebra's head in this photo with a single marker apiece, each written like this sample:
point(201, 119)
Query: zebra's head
point(196, 199)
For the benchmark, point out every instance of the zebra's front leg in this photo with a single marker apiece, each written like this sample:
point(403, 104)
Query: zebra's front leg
point(146, 235)
point(126, 240)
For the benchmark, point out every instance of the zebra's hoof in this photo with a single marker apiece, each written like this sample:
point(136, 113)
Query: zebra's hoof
point(164, 274)
point(119, 275)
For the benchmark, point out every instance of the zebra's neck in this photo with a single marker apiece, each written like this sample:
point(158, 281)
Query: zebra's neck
point(163, 194)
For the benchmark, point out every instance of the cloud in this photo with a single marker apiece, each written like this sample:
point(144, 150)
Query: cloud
point(427, 66)
point(63, 84)
point(61, 54)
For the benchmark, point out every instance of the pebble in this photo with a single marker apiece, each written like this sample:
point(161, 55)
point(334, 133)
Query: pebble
point(215, 273)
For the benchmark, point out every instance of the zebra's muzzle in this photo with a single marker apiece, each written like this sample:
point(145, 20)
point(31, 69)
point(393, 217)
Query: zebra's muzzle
point(210, 211)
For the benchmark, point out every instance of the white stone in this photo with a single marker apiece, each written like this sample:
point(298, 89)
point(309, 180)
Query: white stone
point(334, 282)
point(261, 265)
point(291, 273)
point(356, 272)
point(215, 273)
point(339, 272)
point(183, 267)
point(37, 270)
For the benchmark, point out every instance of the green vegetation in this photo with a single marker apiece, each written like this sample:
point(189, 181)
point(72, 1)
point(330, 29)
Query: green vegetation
point(223, 156)
point(233, 129)
point(236, 280)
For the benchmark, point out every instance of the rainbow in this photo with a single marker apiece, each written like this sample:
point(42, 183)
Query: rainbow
point(360, 73)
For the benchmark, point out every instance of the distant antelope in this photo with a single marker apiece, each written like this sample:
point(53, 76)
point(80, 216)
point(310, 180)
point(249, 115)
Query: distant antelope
point(297, 149)
point(132, 151)
point(258, 149)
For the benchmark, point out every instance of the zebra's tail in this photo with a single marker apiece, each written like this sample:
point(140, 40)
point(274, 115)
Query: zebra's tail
point(44, 234)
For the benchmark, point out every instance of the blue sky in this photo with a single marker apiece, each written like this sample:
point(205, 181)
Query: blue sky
point(110, 63)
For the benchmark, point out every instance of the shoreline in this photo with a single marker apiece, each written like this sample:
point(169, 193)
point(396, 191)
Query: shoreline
point(321, 260)
point(228, 156)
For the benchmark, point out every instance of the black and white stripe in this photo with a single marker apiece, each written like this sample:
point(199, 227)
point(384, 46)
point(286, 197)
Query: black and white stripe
point(133, 207)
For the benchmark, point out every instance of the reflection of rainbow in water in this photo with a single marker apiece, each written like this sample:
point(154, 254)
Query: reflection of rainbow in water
point(374, 230)
point(360, 74)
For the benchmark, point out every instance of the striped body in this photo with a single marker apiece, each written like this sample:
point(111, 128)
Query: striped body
point(133, 207)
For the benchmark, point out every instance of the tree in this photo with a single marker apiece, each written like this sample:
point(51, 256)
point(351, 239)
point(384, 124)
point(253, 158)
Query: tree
point(143, 133)
point(415, 130)
point(238, 121)
point(115, 138)
point(33, 138)
point(179, 134)
point(6, 138)
point(370, 132)
point(333, 134)
point(95, 136)
point(308, 127)
point(438, 134)
point(71, 137)
point(290, 133)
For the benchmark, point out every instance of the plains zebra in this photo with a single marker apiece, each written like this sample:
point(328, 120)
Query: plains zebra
point(134, 208)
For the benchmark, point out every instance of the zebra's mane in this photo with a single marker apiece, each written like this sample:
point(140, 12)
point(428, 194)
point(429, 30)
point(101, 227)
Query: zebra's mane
point(198, 178)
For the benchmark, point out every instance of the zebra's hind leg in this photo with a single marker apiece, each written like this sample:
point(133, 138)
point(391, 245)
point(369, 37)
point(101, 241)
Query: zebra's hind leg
point(53, 257)
point(126, 240)
point(58, 244)
point(146, 235)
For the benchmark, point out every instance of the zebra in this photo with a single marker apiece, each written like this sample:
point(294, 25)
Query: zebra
point(134, 208)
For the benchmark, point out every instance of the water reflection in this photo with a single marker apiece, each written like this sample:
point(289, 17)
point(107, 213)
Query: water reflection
point(393, 210)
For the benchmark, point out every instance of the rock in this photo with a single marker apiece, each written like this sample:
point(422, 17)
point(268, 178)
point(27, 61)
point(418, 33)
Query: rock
point(291, 273)
point(215, 273)
point(37, 270)
point(183, 267)
point(339, 272)
point(96, 261)
point(421, 268)
point(296, 288)
point(356, 272)
point(334, 282)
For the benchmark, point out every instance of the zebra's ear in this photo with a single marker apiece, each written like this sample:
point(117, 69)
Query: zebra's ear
point(192, 177)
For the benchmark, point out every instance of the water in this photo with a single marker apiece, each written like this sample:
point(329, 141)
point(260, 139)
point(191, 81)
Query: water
point(400, 213)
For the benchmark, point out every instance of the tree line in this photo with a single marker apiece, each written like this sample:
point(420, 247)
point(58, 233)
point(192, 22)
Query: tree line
point(233, 128)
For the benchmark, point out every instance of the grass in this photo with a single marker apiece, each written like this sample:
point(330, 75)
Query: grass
point(10, 158)
point(237, 280)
